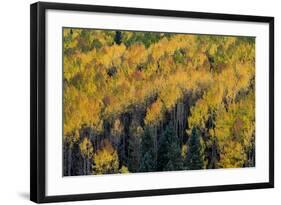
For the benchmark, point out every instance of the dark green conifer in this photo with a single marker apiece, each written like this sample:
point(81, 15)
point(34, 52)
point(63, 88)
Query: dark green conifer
point(169, 152)
point(147, 163)
point(118, 37)
point(195, 156)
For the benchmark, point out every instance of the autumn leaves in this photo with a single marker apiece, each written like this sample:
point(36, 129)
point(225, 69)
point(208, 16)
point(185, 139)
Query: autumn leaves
point(156, 101)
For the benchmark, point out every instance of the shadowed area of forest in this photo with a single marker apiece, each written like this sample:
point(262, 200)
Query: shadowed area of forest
point(146, 102)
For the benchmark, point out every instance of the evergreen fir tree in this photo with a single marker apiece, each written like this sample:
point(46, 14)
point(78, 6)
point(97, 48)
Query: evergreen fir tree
point(147, 163)
point(195, 156)
point(118, 37)
point(169, 152)
point(175, 159)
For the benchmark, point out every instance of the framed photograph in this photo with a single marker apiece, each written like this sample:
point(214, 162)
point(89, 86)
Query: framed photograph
point(129, 102)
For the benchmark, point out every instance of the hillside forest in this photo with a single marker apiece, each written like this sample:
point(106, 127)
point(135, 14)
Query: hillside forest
point(148, 102)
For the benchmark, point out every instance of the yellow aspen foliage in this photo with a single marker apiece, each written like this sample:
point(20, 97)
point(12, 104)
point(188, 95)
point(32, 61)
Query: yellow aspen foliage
point(86, 148)
point(117, 127)
point(154, 112)
point(124, 169)
point(232, 155)
point(111, 55)
point(184, 150)
point(117, 84)
point(228, 42)
point(105, 160)
point(135, 55)
point(170, 95)
point(235, 130)
point(199, 114)
point(214, 96)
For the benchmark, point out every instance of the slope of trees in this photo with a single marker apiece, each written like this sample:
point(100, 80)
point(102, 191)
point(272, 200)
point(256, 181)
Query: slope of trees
point(144, 101)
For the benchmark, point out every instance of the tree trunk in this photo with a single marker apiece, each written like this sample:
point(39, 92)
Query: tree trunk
point(69, 161)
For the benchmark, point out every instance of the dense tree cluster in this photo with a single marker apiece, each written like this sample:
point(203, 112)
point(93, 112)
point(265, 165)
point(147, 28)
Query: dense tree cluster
point(144, 101)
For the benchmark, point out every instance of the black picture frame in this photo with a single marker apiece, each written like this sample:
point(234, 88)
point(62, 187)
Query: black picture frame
point(38, 101)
